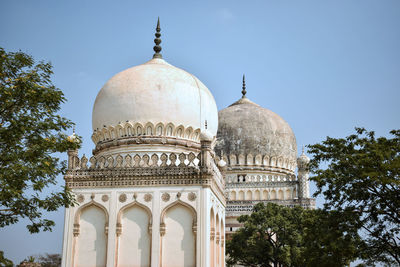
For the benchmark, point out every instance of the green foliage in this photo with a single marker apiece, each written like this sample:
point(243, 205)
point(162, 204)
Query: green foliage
point(30, 133)
point(284, 236)
point(359, 174)
point(4, 262)
point(329, 238)
point(50, 260)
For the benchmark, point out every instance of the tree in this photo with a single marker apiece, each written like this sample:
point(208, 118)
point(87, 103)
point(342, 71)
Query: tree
point(359, 175)
point(270, 235)
point(4, 262)
point(31, 132)
point(284, 236)
point(329, 238)
point(50, 260)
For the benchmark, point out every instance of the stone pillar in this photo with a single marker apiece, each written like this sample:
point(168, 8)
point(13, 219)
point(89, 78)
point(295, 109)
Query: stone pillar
point(72, 158)
point(206, 157)
point(303, 176)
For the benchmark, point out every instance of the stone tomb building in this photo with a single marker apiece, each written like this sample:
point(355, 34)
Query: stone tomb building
point(151, 194)
point(162, 186)
point(261, 151)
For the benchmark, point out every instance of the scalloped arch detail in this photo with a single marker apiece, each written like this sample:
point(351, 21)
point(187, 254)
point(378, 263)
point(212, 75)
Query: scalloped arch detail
point(128, 129)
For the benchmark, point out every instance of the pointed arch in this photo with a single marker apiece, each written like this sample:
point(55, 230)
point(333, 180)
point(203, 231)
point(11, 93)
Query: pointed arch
point(288, 194)
point(94, 203)
point(273, 194)
point(137, 233)
point(129, 129)
point(232, 160)
point(120, 131)
point(188, 132)
point(265, 195)
point(178, 230)
point(149, 129)
point(112, 132)
point(280, 194)
point(217, 240)
point(170, 129)
point(159, 130)
point(242, 159)
point(195, 135)
point(250, 159)
point(249, 195)
point(90, 246)
point(233, 195)
point(130, 205)
point(139, 129)
point(241, 195)
point(179, 131)
point(266, 161)
point(212, 237)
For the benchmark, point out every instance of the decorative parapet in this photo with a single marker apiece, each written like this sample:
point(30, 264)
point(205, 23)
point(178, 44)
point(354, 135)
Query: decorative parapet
point(262, 161)
point(127, 170)
point(135, 131)
point(128, 161)
point(255, 179)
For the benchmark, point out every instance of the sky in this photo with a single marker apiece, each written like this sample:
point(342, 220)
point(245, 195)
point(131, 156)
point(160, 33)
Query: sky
point(324, 66)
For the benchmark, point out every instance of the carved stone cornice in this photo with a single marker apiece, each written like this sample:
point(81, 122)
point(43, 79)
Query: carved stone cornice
point(247, 169)
point(147, 140)
point(146, 176)
point(261, 184)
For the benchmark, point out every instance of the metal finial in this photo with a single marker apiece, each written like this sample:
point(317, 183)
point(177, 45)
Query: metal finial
point(302, 149)
point(244, 88)
point(73, 129)
point(157, 41)
point(205, 124)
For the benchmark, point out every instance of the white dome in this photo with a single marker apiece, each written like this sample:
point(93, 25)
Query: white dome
point(155, 93)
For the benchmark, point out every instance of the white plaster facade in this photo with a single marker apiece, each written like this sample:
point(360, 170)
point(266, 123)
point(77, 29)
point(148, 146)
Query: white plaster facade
point(113, 203)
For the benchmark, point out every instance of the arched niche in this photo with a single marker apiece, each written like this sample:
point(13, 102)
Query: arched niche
point(280, 194)
point(233, 195)
point(273, 194)
point(212, 237)
point(249, 195)
point(217, 240)
point(134, 225)
point(178, 229)
point(288, 194)
point(90, 232)
point(222, 242)
point(241, 195)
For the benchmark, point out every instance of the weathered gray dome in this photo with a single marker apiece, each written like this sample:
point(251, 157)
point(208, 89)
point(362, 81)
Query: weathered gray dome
point(253, 135)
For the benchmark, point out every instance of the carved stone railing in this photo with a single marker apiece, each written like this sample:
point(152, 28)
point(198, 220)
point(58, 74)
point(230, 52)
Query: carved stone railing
point(259, 160)
point(259, 178)
point(129, 161)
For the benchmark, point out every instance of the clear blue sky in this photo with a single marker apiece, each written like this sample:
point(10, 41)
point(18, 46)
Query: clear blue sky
point(324, 66)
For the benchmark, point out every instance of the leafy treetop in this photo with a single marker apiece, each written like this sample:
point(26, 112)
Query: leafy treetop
point(31, 132)
point(360, 174)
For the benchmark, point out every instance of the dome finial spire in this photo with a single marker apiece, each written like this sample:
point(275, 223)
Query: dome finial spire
point(244, 88)
point(157, 41)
